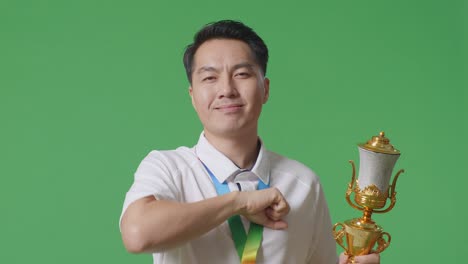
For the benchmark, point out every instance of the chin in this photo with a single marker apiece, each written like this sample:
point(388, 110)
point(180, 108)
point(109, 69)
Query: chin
point(233, 131)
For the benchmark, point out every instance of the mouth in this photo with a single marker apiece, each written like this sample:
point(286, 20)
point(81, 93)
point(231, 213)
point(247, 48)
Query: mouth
point(229, 107)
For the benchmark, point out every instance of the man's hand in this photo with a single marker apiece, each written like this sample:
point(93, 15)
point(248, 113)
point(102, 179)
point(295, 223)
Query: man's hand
point(265, 207)
point(365, 259)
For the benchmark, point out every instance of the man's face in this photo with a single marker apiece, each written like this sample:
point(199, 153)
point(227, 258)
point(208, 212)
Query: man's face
point(228, 88)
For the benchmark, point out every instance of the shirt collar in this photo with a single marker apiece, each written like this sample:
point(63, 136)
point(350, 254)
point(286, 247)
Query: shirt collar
point(222, 167)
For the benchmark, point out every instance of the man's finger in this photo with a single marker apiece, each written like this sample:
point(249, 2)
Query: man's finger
point(368, 259)
point(276, 225)
point(282, 207)
point(273, 214)
point(365, 259)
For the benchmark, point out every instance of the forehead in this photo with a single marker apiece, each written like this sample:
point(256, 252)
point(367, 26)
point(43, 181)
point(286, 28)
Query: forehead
point(222, 52)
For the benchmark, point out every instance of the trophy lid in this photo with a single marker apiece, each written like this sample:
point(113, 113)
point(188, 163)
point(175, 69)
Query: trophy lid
point(380, 144)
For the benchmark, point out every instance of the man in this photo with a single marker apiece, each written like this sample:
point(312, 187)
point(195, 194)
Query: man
point(184, 204)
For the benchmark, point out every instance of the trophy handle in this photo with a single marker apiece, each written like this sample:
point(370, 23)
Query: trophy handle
point(350, 188)
point(339, 234)
point(392, 194)
point(382, 244)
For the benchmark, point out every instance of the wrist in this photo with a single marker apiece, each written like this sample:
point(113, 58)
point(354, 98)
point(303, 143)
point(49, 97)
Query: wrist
point(238, 206)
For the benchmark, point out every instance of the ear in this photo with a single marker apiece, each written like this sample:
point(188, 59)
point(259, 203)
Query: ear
point(266, 89)
point(191, 96)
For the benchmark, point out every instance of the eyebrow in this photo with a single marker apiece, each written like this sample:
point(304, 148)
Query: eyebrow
point(206, 69)
point(243, 65)
point(214, 69)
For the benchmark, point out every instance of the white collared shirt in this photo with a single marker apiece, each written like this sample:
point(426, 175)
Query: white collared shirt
point(179, 175)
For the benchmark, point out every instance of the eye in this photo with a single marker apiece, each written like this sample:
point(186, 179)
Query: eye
point(208, 78)
point(242, 74)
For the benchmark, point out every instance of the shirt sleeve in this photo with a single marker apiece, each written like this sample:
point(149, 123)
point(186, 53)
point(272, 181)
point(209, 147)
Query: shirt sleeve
point(323, 248)
point(154, 177)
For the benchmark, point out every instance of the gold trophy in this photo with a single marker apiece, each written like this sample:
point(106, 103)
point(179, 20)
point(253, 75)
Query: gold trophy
point(371, 190)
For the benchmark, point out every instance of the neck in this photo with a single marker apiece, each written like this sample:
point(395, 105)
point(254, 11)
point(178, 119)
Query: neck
point(242, 150)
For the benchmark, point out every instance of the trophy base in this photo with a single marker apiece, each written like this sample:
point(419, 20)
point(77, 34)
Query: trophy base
point(361, 237)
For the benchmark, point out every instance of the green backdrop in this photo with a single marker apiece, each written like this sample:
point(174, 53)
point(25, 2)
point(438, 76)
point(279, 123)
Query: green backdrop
point(88, 88)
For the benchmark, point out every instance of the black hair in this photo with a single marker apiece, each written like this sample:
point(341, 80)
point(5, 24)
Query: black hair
point(227, 29)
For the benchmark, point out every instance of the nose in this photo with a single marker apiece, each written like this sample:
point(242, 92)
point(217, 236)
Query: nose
point(227, 88)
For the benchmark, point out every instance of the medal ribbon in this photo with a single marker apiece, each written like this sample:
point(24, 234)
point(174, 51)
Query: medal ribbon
point(246, 245)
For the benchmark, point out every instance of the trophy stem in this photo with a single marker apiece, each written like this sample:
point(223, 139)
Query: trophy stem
point(367, 215)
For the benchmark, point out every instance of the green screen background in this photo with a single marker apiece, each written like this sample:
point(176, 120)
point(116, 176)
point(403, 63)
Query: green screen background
point(88, 88)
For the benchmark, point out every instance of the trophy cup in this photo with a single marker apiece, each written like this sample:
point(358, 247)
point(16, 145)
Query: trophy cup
point(371, 190)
